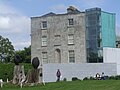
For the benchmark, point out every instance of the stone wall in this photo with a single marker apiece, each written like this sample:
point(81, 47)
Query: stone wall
point(57, 37)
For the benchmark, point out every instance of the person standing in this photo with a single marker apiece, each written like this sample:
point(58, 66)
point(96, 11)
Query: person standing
point(58, 74)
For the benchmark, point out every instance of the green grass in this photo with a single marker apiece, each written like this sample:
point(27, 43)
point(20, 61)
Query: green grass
point(72, 85)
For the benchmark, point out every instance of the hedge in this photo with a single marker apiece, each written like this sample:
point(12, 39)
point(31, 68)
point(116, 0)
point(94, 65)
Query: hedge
point(75, 79)
point(6, 70)
point(117, 77)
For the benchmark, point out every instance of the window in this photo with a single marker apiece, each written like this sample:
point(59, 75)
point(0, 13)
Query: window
point(100, 53)
point(44, 57)
point(44, 24)
point(99, 40)
point(71, 56)
point(71, 30)
point(71, 22)
point(70, 39)
point(44, 41)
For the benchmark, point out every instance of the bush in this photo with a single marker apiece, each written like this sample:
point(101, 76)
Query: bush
point(75, 79)
point(27, 66)
point(111, 77)
point(92, 78)
point(64, 79)
point(105, 78)
point(117, 77)
point(6, 70)
point(86, 78)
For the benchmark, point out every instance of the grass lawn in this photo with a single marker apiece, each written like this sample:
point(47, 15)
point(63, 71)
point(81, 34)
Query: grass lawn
point(71, 85)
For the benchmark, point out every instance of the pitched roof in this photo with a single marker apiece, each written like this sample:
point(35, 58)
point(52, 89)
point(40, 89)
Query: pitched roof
point(49, 14)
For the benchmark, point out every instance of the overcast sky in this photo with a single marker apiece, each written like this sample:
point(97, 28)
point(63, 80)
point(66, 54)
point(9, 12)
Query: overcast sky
point(15, 15)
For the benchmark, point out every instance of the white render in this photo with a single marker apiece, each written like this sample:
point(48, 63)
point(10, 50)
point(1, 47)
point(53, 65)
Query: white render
point(77, 70)
point(112, 55)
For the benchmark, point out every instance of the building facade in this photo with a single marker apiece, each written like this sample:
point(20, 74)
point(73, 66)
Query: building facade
point(73, 37)
point(59, 38)
point(100, 33)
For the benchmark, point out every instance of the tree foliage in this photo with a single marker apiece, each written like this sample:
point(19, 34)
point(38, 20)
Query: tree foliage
point(25, 54)
point(6, 50)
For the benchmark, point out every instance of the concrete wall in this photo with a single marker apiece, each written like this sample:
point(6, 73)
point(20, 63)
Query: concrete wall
point(77, 70)
point(112, 55)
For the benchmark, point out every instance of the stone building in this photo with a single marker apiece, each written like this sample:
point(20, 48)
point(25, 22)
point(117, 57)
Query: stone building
point(80, 44)
point(73, 37)
point(59, 38)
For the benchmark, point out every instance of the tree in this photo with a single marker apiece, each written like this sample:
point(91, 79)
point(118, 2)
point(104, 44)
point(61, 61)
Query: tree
point(25, 54)
point(6, 50)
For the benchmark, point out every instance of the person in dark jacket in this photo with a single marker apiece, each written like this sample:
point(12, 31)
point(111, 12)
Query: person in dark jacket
point(58, 74)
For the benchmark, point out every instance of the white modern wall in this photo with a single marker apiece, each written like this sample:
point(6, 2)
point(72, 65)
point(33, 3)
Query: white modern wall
point(112, 55)
point(77, 70)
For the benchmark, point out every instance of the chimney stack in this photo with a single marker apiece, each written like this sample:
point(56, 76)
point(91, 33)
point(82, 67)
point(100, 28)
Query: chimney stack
point(72, 9)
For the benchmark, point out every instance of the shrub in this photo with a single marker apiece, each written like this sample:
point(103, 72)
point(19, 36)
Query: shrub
point(65, 79)
point(92, 78)
point(27, 66)
point(111, 77)
point(117, 77)
point(6, 70)
point(86, 78)
point(75, 79)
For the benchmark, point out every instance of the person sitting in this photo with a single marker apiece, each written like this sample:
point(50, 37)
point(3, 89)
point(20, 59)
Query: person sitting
point(97, 76)
point(102, 76)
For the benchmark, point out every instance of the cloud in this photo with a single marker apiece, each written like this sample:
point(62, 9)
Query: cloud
point(4, 22)
point(14, 23)
point(20, 45)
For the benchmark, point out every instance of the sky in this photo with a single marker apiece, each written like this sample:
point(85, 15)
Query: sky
point(15, 15)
